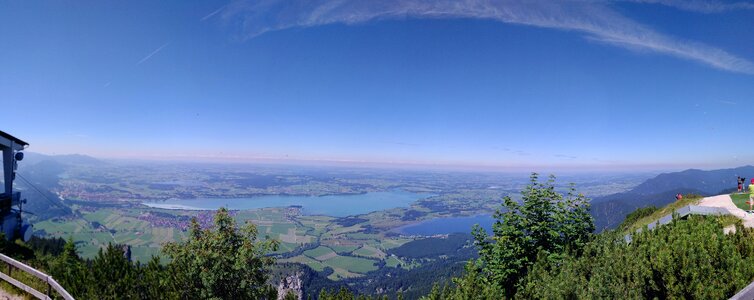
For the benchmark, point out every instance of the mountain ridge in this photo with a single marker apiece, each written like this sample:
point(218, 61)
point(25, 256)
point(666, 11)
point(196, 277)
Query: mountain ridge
point(32, 158)
point(610, 210)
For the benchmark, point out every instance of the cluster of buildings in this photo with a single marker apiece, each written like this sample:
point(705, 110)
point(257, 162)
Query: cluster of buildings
point(206, 219)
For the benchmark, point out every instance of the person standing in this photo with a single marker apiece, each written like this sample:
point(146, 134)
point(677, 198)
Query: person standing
point(751, 194)
point(741, 181)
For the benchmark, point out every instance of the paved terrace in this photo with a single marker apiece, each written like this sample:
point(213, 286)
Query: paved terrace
point(724, 202)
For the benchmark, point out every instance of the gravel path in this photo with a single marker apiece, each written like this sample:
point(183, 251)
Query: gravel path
point(6, 296)
point(724, 201)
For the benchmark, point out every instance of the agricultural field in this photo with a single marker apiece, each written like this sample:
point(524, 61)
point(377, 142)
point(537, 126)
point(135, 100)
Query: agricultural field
point(349, 248)
point(94, 230)
point(107, 204)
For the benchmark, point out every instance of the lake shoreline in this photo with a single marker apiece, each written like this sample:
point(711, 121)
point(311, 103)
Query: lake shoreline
point(443, 225)
point(340, 205)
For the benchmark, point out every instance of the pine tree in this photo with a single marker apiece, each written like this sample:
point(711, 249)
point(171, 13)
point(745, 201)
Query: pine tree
point(114, 277)
point(69, 270)
point(687, 259)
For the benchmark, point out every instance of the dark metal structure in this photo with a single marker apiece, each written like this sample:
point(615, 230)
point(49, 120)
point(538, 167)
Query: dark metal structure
point(11, 204)
point(13, 225)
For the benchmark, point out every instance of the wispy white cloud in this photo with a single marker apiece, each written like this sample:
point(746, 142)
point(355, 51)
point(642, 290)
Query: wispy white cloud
point(565, 156)
point(727, 102)
point(146, 58)
point(404, 144)
point(701, 6)
point(595, 19)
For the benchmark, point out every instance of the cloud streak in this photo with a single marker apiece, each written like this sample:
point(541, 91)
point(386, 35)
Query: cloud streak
point(700, 6)
point(146, 58)
point(210, 15)
point(596, 20)
point(727, 102)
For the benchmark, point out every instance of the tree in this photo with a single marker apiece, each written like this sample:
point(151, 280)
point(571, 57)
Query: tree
point(69, 270)
point(545, 224)
point(223, 263)
point(114, 277)
point(471, 285)
point(690, 258)
point(343, 294)
point(109, 276)
point(154, 281)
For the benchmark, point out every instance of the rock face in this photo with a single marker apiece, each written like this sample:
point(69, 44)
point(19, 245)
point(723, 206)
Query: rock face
point(291, 284)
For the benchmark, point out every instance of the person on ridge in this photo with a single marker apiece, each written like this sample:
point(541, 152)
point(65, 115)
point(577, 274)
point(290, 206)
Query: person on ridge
point(741, 181)
point(678, 197)
point(738, 180)
point(751, 193)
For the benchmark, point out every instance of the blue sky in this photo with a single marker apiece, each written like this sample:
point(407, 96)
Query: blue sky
point(502, 84)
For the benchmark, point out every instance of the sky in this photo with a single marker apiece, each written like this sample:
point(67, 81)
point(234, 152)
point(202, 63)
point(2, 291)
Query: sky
point(634, 84)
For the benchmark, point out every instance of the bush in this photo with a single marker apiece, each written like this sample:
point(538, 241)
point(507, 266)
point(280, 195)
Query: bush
point(687, 259)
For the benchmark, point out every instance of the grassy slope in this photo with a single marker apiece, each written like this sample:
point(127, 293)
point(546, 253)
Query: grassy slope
point(663, 212)
point(740, 200)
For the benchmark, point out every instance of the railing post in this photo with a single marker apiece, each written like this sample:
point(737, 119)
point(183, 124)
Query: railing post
point(10, 268)
point(48, 287)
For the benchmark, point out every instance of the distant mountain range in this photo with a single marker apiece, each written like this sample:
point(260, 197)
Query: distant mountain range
point(39, 174)
point(609, 211)
point(31, 158)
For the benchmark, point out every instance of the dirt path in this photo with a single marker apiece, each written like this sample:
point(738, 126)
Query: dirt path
point(724, 201)
point(6, 296)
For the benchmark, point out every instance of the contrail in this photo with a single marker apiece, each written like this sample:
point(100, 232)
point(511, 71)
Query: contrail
point(152, 54)
point(217, 11)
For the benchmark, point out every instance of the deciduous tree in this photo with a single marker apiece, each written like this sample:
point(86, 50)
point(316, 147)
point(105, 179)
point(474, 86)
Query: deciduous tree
point(545, 224)
point(224, 262)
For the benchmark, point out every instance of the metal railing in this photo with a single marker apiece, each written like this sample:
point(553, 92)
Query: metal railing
point(746, 293)
point(51, 283)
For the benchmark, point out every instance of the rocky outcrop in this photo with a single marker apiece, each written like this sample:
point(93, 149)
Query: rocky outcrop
point(291, 285)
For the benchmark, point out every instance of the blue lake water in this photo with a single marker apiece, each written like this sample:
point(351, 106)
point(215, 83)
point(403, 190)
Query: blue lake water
point(448, 225)
point(331, 205)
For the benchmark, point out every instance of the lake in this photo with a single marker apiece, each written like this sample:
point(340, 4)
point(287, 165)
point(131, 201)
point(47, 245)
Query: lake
point(447, 225)
point(331, 205)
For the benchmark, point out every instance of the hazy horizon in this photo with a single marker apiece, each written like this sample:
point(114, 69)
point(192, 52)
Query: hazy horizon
point(518, 169)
